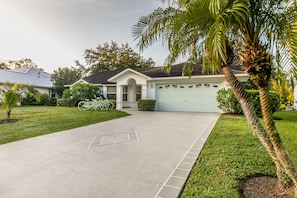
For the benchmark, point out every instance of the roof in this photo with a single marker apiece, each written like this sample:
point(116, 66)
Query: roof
point(29, 76)
point(102, 77)
point(155, 72)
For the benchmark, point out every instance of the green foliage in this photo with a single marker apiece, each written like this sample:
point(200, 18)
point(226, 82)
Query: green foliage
point(11, 94)
point(45, 100)
point(232, 152)
point(65, 76)
point(33, 97)
point(22, 63)
point(112, 57)
point(146, 105)
point(79, 92)
point(63, 102)
point(229, 104)
point(114, 103)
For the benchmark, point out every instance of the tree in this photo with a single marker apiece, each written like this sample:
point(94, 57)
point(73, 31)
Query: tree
point(81, 91)
point(11, 95)
point(4, 65)
point(210, 26)
point(23, 63)
point(112, 57)
point(270, 25)
point(65, 76)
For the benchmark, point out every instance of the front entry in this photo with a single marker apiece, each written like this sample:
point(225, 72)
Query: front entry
point(131, 94)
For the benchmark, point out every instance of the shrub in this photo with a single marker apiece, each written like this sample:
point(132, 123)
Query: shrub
point(146, 105)
point(229, 104)
point(81, 91)
point(45, 100)
point(33, 97)
point(114, 103)
point(63, 102)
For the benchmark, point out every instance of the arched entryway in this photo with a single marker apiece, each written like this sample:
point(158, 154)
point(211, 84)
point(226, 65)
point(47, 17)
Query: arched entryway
point(131, 93)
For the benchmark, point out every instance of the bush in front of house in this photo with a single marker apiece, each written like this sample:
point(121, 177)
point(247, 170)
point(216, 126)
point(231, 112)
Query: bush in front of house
point(79, 92)
point(229, 104)
point(146, 105)
point(114, 103)
point(33, 97)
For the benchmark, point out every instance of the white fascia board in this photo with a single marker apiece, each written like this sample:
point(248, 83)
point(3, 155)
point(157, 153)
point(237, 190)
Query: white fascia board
point(114, 78)
point(204, 77)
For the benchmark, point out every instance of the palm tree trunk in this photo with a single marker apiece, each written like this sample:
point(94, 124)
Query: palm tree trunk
point(280, 150)
point(253, 121)
point(8, 115)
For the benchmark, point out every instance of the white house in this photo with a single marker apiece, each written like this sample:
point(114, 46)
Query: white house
point(173, 92)
point(36, 78)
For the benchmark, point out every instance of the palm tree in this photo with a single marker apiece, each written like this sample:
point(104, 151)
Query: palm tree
point(262, 33)
point(11, 95)
point(205, 25)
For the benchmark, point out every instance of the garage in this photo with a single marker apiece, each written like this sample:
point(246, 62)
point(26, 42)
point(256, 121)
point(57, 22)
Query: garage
point(200, 97)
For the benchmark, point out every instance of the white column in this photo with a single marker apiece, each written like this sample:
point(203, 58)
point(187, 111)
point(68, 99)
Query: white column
point(143, 91)
point(119, 97)
point(104, 90)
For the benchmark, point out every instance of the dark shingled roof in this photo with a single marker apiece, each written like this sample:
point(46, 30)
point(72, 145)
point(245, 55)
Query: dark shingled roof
point(155, 72)
point(102, 77)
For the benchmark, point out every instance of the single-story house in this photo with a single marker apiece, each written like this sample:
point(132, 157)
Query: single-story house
point(38, 79)
point(172, 92)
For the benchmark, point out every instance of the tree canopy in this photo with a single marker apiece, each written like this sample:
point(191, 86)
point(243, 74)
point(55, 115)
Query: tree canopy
point(22, 63)
point(113, 56)
point(65, 76)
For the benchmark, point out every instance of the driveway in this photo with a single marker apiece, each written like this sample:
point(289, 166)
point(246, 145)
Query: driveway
point(147, 154)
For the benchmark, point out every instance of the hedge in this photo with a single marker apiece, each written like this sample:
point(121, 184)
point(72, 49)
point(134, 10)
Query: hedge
point(146, 105)
point(229, 104)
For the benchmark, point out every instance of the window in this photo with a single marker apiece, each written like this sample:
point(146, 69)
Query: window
point(111, 93)
point(125, 93)
point(138, 92)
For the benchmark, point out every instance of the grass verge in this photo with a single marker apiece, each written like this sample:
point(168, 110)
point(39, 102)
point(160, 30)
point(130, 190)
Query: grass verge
point(232, 152)
point(34, 121)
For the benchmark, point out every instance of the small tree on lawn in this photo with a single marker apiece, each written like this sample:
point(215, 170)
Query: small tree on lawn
point(11, 95)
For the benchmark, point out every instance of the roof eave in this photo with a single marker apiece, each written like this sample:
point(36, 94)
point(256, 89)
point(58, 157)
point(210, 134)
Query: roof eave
point(117, 76)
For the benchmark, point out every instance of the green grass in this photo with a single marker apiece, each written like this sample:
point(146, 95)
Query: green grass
point(34, 121)
point(232, 152)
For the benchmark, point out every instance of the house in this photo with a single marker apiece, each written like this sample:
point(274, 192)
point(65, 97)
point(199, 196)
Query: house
point(39, 80)
point(172, 92)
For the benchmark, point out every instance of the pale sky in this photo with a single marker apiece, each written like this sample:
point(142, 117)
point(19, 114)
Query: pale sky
point(55, 33)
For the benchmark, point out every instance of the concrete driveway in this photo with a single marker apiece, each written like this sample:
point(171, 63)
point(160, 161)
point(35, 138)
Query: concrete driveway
point(147, 154)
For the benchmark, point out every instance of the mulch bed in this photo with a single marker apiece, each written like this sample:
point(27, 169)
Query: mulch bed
point(5, 121)
point(261, 186)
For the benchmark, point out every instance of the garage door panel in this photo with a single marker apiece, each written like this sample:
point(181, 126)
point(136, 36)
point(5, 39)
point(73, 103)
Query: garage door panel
point(187, 97)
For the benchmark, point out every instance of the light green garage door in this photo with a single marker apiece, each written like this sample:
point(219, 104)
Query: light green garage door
point(199, 97)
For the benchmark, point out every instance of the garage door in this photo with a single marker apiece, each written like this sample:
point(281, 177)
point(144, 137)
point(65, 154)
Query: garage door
point(187, 97)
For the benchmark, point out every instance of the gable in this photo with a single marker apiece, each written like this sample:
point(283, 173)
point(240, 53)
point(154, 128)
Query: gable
point(123, 77)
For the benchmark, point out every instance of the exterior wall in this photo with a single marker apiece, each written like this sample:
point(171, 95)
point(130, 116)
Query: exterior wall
point(43, 90)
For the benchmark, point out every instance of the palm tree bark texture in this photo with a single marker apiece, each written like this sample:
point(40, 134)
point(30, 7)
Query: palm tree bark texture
point(257, 63)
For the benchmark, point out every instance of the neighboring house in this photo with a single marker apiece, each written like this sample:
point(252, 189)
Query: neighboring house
point(173, 92)
point(36, 78)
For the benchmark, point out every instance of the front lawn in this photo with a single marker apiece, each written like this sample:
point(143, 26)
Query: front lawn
point(34, 121)
point(232, 152)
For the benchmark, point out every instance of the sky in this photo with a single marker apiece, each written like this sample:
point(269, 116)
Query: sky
point(55, 33)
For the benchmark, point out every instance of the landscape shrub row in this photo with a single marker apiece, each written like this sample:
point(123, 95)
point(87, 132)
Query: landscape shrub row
point(229, 104)
point(146, 105)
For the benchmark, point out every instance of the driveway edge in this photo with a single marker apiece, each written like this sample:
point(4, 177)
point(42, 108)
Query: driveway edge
point(176, 181)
